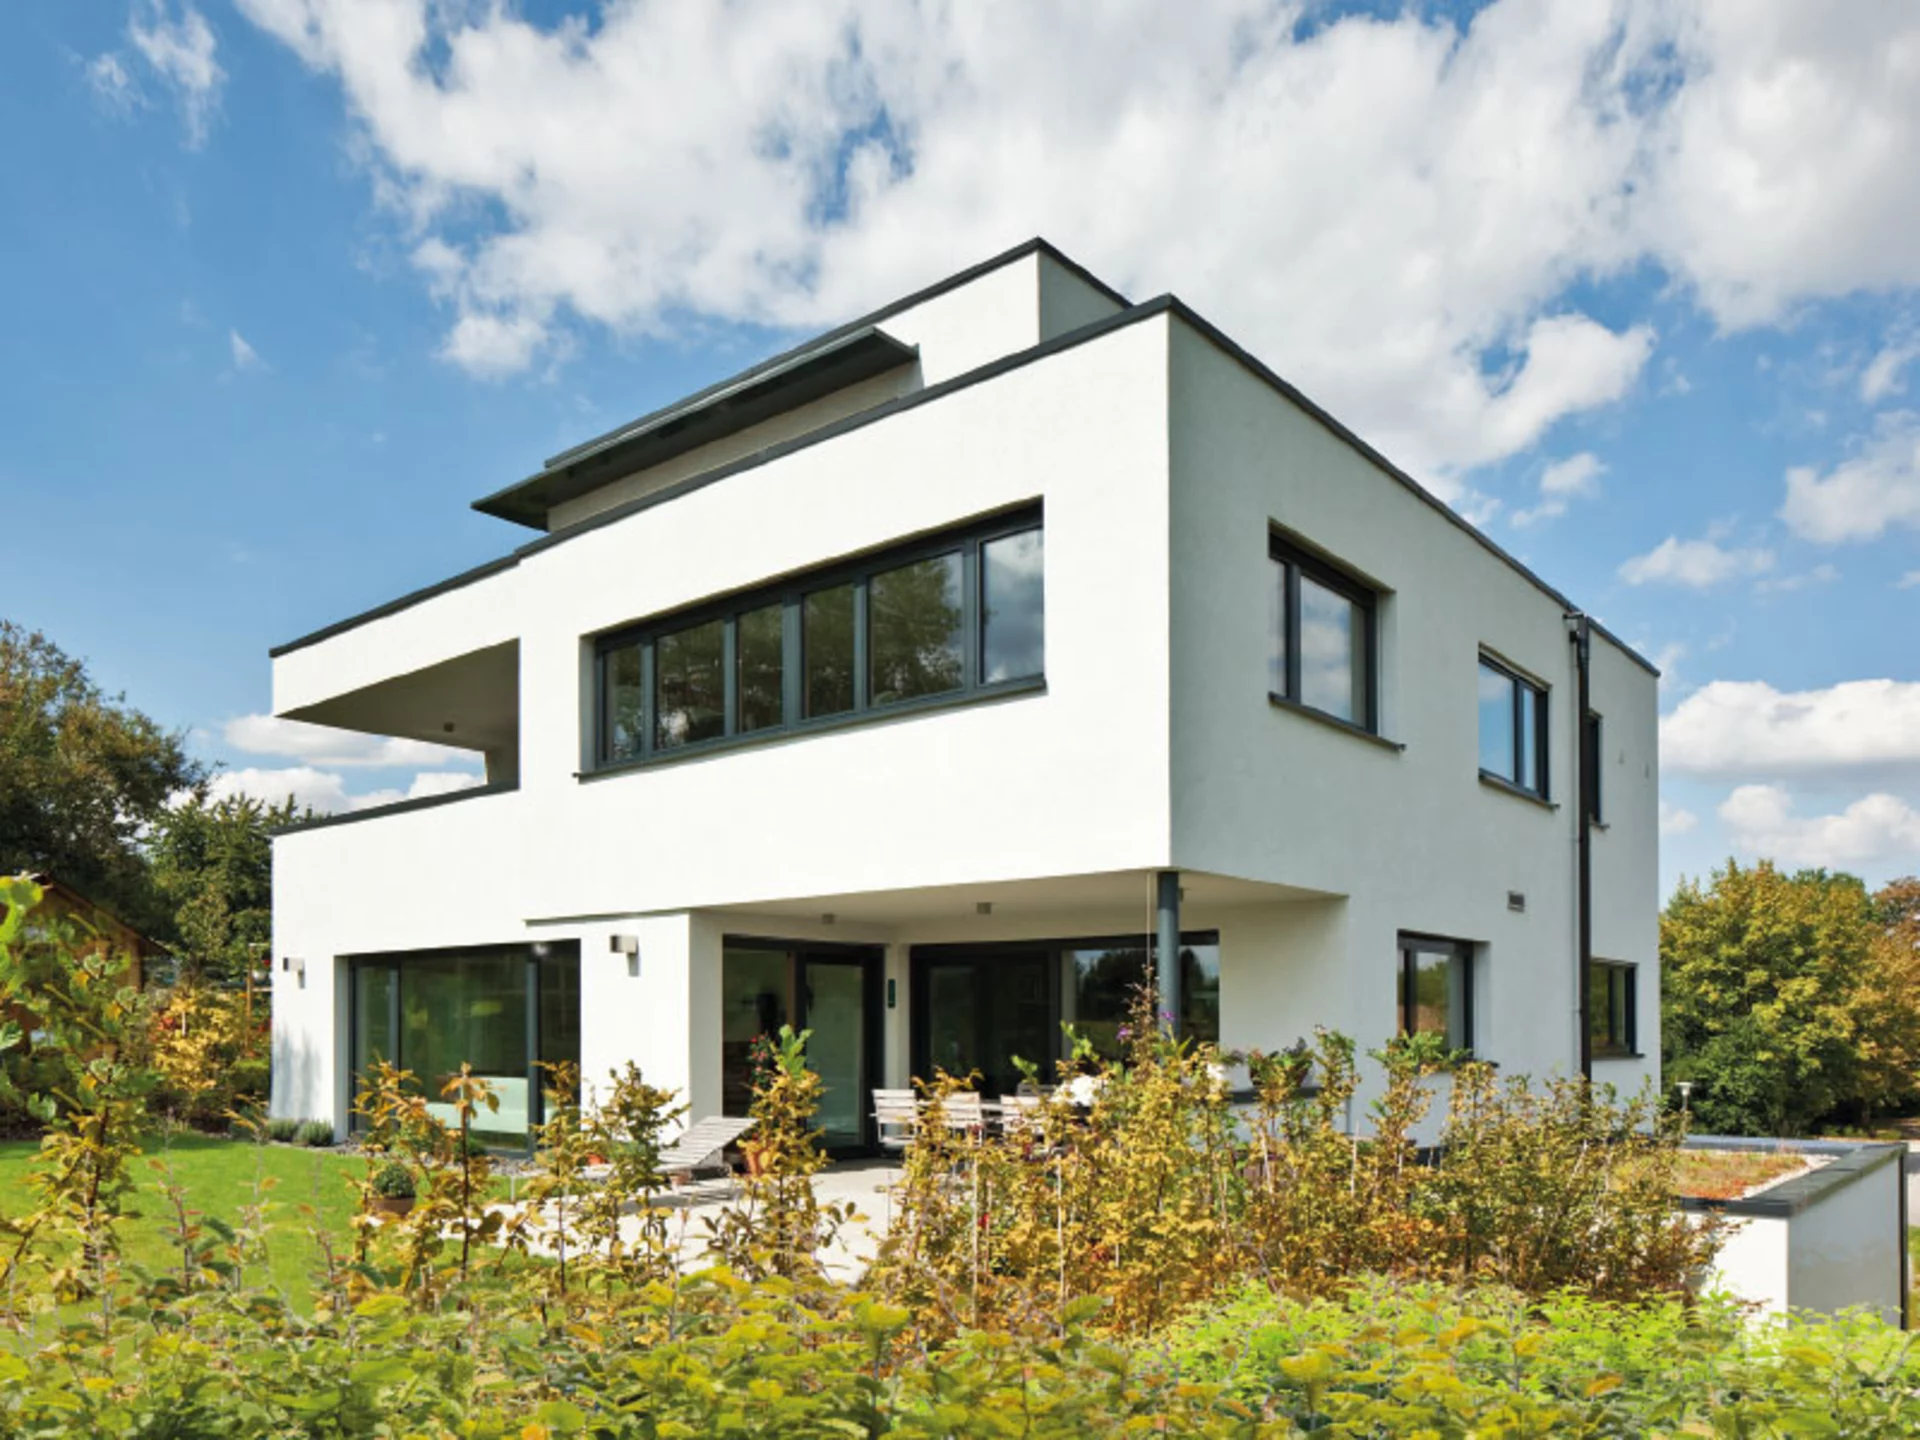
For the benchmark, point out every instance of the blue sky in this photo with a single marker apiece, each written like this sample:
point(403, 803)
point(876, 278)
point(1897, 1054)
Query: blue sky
point(290, 282)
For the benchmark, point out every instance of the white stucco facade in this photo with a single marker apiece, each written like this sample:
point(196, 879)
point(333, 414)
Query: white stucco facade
point(1160, 462)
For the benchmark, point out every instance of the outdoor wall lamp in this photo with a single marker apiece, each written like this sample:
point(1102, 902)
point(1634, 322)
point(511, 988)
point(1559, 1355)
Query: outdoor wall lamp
point(629, 946)
point(296, 967)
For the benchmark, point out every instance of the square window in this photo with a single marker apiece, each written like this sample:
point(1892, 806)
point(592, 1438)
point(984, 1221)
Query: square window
point(1320, 638)
point(1436, 989)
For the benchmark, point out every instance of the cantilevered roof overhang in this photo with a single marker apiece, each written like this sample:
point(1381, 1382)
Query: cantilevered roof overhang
point(784, 383)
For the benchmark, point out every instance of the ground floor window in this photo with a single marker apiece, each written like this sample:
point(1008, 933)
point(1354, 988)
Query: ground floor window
point(1611, 990)
point(977, 1007)
point(1436, 989)
point(506, 1010)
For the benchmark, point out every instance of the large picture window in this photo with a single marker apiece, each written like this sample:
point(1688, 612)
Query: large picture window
point(1436, 989)
point(506, 1010)
point(1513, 729)
point(1320, 638)
point(949, 618)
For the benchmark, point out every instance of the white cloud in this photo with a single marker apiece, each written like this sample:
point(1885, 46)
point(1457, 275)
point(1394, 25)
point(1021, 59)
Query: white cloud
point(245, 357)
point(112, 86)
point(324, 745)
point(1675, 821)
point(1391, 210)
point(1799, 580)
point(1733, 727)
point(325, 791)
point(181, 53)
point(1667, 661)
point(1864, 495)
point(1908, 580)
point(1700, 564)
point(1879, 830)
point(1780, 163)
point(1882, 375)
point(1562, 482)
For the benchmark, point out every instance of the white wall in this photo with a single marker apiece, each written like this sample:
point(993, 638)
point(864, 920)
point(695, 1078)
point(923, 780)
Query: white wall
point(1412, 835)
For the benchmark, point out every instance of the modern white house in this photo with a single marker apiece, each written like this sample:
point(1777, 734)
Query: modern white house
point(928, 684)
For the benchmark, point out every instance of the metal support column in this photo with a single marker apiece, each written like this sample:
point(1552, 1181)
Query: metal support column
point(1167, 946)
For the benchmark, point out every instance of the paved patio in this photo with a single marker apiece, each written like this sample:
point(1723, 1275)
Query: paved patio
point(865, 1183)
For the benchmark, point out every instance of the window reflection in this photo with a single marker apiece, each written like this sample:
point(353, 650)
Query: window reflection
point(913, 622)
point(624, 703)
point(826, 619)
point(761, 673)
point(1331, 657)
point(1012, 614)
point(689, 686)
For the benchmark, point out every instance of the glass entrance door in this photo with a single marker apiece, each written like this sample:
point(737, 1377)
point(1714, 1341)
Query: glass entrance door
point(836, 1011)
point(830, 990)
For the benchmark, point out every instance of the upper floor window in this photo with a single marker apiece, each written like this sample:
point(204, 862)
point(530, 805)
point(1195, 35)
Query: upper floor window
point(1320, 637)
point(956, 615)
point(1513, 728)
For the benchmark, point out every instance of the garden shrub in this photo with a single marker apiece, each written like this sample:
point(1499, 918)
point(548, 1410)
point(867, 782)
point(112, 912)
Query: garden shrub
point(315, 1133)
point(283, 1128)
point(1160, 1194)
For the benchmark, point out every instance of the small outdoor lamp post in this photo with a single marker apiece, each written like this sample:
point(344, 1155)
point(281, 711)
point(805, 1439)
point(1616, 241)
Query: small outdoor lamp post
point(1685, 1087)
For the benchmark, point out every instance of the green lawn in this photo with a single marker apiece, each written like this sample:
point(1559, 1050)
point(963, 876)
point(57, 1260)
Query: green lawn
point(218, 1176)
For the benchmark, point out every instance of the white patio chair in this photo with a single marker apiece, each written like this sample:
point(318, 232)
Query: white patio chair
point(896, 1117)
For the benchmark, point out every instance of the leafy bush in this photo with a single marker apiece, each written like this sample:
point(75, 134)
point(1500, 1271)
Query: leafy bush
point(392, 1181)
point(284, 1128)
point(316, 1133)
point(1379, 1358)
point(1160, 1195)
point(250, 1079)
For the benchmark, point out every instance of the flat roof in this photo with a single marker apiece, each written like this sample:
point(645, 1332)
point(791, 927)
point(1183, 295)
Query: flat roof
point(1132, 314)
point(783, 383)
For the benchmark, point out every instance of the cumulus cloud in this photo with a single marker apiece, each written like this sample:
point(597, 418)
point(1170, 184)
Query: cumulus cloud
point(1734, 727)
point(325, 791)
point(1392, 210)
point(180, 51)
point(1675, 821)
point(1700, 564)
point(324, 745)
point(1562, 482)
point(1908, 580)
point(1865, 495)
point(1799, 580)
point(1879, 830)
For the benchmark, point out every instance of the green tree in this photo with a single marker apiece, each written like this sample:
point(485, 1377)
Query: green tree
point(1768, 999)
point(82, 776)
point(213, 864)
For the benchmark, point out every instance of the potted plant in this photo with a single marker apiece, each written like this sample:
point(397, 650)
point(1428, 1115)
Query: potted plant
point(390, 1190)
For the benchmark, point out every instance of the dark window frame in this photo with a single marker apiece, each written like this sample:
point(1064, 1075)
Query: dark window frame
point(1523, 691)
point(1365, 599)
point(921, 958)
point(1605, 1044)
point(1465, 953)
point(539, 955)
point(790, 593)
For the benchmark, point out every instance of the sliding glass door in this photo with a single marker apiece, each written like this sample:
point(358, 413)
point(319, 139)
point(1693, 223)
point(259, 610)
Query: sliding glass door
point(976, 1007)
point(831, 990)
point(504, 1010)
